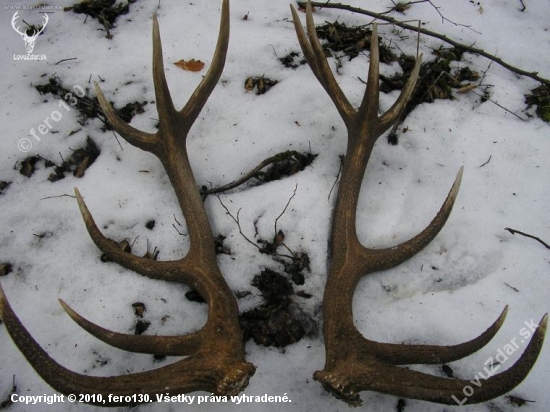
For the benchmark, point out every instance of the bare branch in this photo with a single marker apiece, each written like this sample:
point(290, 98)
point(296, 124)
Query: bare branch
point(514, 231)
point(284, 210)
point(381, 16)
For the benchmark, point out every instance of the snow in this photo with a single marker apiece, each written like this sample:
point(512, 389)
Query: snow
point(448, 293)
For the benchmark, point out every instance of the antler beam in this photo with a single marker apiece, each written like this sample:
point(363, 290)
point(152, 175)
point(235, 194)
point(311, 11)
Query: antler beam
point(353, 362)
point(215, 354)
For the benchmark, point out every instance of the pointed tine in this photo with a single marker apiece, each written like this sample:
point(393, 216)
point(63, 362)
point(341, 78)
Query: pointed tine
point(165, 106)
point(398, 354)
point(312, 59)
point(369, 105)
point(303, 40)
point(311, 32)
point(318, 52)
point(393, 114)
point(146, 267)
point(501, 383)
point(43, 364)
point(135, 137)
point(382, 259)
point(486, 384)
point(184, 376)
point(504, 382)
point(407, 383)
point(199, 97)
point(158, 345)
point(313, 51)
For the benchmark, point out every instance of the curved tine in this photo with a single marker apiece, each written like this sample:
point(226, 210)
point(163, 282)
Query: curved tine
point(135, 137)
point(369, 106)
point(184, 376)
point(158, 345)
point(165, 106)
point(405, 354)
point(146, 267)
point(393, 113)
point(381, 259)
point(315, 56)
point(304, 43)
point(199, 97)
point(411, 384)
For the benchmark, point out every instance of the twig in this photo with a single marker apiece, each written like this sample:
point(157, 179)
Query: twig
point(8, 402)
point(443, 18)
point(179, 224)
point(65, 60)
point(471, 89)
point(293, 255)
point(177, 230)
point(514, 231)
point(342, 160)
point(238, 222)
point(511, 287)
point(53, 197)
point(499, 105)
point(116, 138)
point(487, 162)
point(284, 210)
point(532, 75)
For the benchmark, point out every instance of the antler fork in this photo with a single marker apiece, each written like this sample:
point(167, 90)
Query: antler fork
point(215, 354)
point(353, 362)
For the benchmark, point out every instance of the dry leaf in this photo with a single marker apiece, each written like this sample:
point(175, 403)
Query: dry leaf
point(466, 88)
point(249, 83)
point(191, 65)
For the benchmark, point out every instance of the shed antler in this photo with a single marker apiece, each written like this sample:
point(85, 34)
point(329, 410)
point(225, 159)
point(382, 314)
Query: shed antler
point(354, 363)
point(215, 354)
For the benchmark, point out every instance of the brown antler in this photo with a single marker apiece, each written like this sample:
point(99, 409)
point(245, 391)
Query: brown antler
point(354, 363)
point(215, 354)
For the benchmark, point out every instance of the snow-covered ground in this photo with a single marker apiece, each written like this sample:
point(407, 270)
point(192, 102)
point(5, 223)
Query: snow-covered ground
point(448, 293)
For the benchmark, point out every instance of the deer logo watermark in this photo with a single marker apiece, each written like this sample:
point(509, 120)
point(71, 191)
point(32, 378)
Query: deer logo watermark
point(29, 39)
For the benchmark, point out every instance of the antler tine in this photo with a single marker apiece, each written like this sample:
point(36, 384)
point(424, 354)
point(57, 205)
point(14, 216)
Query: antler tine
point(369, 105)
point(368, 110)
point(161, 270)
point(433, 354)
point(375, 375)
point(184, 376)
point(142, 140)
point(165, 105)
point(216, 360)
point(381, 259)
point(314, 54)
point(192, 109)
point(353, 362)
point(185, 345)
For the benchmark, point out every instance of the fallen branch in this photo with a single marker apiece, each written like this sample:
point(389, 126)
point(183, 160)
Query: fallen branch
point(380, 16)
point(301, 160)
point(513, 231)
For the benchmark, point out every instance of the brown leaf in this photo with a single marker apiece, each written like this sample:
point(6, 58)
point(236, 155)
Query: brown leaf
point(190, 65)
point(139, 308)
point(249, 83)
